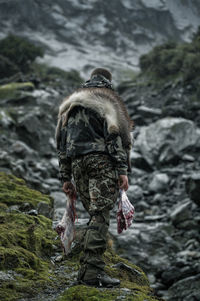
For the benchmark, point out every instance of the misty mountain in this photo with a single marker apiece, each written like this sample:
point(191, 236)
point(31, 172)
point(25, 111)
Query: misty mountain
point(82, 34)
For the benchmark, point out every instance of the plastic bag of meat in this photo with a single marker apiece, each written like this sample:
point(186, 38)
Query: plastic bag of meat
point(125, 212)
point(65, 227)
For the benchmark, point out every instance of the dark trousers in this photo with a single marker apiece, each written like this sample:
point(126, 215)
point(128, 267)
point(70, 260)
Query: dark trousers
point(97, 185)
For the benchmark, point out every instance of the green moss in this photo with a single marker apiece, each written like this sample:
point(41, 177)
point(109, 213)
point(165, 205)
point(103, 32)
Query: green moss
point(13, 191)
point(27, 242)
point(13, 90)
point(33, 233)
point(85, 293)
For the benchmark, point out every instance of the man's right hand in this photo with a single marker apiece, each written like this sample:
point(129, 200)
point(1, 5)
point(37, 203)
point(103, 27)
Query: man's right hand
point(69, 189)
point(123, 182)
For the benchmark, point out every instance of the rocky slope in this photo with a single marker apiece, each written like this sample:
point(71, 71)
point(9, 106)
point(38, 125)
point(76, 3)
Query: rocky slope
point(31, 263)
point(165, 189)
point(164, 184)
point(81, 34)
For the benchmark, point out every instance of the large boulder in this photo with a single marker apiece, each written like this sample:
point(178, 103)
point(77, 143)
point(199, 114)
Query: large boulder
point(190, 292)
point(164, 140)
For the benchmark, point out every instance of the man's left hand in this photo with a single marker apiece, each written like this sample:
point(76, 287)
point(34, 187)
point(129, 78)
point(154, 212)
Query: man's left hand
point(69, 189)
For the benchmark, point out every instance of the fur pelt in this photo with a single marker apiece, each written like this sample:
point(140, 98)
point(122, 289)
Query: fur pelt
point(107, 104)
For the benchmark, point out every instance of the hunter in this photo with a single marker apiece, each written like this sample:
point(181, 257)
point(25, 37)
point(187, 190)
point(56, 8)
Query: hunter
point(93, 138)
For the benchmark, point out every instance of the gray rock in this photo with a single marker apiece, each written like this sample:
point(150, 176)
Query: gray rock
point(159, 182)
point(31, 123)
point(59, 199)
point(193, 188)
point(135, 192)
point(33, 212)
point(187, 225)
point(5, 119)
point(188, 158)
point(54, 163)
point(8, 275)
point(170, 275)
point(52, 181)
point(58, 214)
point(187, 289)
point(168, 135)
point(21, 148)
point(181, 212)
point(138, 161)
point(147, 112)
point(158, 198)
point(44, 209)
point(142, 205)
point(14, 208)
point(123, 266)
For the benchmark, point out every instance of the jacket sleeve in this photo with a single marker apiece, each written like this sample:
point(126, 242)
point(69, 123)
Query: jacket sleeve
point(64, 161)
point(117, 152)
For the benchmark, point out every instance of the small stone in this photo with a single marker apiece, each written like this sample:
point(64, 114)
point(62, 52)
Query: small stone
point(33, 212)
point(58, 258)
point(188, 158)
point(44, 209)
point(149, 112)
point(5, 276)
point(159, 182)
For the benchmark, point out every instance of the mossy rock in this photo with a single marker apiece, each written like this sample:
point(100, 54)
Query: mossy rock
point(13, 191)
point(15, 90)
point(134, 284)
point(27, 242)
point(85, 293)
point(28, 246)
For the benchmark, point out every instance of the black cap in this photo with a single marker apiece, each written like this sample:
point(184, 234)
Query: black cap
point(101, 71)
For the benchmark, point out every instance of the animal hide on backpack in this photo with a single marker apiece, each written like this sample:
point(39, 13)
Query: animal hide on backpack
point(107, 104)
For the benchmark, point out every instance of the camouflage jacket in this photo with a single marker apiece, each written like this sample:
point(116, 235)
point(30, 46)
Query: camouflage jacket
point(86, 132)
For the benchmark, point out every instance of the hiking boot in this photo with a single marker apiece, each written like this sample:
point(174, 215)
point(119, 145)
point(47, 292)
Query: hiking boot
point(102, 280)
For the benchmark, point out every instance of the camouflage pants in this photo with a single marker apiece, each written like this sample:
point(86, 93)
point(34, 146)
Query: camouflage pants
point(97, 185)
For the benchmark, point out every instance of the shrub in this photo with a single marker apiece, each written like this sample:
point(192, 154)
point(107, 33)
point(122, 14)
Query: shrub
point(191, 67)
point(20, 51)
point(175, 60)
point(157, 60)
point(7, 68)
